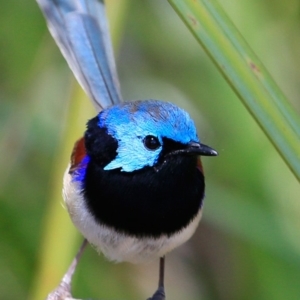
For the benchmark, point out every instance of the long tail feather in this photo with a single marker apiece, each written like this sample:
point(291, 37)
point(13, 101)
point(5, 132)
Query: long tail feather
point(80, 29)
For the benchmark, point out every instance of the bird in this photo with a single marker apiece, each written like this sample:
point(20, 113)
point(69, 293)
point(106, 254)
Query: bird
point(135, 184)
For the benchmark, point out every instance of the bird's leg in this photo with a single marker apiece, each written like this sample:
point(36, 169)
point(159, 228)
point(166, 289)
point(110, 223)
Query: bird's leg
point(63, 290)
point(160, 292)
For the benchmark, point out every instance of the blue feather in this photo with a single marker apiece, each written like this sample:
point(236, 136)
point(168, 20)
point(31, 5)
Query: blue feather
point(129, 123)
point(80, 29)
point(80, 171)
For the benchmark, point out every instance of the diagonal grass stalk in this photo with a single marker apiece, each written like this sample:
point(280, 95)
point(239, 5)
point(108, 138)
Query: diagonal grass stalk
point(246, 74)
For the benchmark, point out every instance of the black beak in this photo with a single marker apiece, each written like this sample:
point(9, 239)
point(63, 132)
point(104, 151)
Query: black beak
point(200, 149)
point(194, 148)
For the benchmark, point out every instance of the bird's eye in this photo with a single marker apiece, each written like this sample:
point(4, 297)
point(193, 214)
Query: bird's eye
point(151, 142)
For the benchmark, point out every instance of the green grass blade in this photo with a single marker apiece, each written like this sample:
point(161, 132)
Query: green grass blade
point(246, 74)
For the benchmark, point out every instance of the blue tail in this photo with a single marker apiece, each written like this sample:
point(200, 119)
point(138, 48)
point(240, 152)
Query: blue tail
point(80, 29)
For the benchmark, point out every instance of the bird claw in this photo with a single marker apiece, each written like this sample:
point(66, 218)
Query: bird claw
point(159, 294)
point(62, 292)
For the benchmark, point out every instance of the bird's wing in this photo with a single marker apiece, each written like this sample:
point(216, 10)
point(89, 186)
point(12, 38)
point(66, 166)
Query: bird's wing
point(80, 29)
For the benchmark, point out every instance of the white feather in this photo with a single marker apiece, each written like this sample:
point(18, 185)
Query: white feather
point(114, 245)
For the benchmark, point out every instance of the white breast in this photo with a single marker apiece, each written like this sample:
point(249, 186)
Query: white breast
point(114, 245)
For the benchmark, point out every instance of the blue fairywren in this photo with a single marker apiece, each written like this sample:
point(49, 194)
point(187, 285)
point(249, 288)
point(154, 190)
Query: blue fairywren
point(135, 184)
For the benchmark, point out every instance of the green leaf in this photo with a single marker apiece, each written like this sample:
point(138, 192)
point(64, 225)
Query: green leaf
point(246, 74)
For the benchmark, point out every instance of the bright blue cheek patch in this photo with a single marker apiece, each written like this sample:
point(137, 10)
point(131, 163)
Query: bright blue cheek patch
point(131, 153)
point(129, 123)
point(79, 173)
point(134, 158)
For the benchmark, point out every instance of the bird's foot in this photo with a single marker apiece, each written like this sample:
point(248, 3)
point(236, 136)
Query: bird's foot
point(159, 294)
point(62, 292)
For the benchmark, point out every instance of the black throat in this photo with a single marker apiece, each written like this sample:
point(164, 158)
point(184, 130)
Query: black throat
point(144, 203)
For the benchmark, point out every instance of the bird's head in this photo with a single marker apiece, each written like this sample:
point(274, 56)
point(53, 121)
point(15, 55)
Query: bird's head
point(134, 135)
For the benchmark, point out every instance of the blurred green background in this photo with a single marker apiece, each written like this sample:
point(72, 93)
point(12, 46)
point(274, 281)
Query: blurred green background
point(248, 243)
